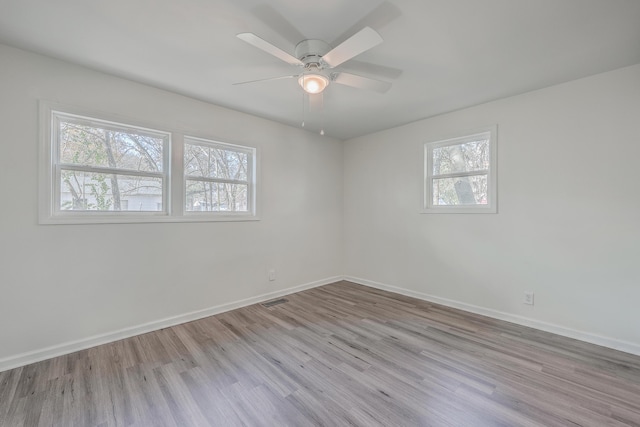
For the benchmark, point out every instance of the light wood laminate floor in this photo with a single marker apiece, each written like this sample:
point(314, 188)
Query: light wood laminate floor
point(341, 354)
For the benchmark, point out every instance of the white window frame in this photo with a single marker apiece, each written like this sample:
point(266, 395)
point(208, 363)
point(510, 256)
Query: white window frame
point(250, 182)
point(173, 173)
point(428, 176)
point(57, 166)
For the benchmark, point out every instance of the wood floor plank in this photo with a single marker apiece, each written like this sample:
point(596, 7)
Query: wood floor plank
point(336, 355)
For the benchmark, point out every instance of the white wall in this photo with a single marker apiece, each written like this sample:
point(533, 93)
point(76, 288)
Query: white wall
point(62, 283)
point(568, 225)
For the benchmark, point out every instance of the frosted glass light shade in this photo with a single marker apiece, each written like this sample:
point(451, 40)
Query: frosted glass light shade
point(313, 83)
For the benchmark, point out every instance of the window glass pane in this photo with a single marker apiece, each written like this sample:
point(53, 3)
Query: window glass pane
point(87, 191)
point(216, 196)
point(468, 157)
point(468, 190)
point(94, 145)
point(213, 162)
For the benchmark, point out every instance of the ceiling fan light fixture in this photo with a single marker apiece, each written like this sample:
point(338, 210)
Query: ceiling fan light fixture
point(313, 83)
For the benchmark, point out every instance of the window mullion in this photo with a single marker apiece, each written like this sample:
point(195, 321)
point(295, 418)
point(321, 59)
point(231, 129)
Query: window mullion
point(177, 177)
point(114, 171)
point(215, 180)
point(461, 174)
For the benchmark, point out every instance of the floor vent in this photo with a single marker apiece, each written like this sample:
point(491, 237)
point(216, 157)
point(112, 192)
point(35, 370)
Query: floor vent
point(274, 302)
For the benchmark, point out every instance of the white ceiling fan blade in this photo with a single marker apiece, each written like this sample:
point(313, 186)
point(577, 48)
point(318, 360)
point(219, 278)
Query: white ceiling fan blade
point(361, 41)
point(265, 80)
point(278, 23)
point(256, 41)
point(367, 68)
point(378, 18)
point(360, 82)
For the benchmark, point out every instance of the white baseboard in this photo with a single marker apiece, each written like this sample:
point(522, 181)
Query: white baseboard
point(82, 344)
point(613, 343)
point(12, 362)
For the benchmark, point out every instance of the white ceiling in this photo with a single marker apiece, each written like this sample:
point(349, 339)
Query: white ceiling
point(440, 55)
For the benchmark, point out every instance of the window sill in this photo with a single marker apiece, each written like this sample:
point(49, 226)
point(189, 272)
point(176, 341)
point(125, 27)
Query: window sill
point(460, 210)
point(141, 219)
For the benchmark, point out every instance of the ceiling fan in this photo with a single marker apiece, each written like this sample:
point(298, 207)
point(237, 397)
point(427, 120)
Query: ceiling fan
point(318, 61)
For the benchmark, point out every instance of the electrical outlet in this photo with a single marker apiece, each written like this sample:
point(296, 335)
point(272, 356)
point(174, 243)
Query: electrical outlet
point(528, 297)
point(272, 274)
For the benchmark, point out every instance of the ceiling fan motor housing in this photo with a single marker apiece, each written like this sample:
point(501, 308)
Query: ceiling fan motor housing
point(311, 51)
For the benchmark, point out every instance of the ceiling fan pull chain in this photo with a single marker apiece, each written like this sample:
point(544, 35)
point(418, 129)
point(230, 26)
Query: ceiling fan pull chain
point(303, 94)
point(322, 113)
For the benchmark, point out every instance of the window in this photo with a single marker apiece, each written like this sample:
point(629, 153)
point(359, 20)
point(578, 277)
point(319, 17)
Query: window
point(460, 174)
point(217, 176)
point(101, 166)
point(95, 170)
